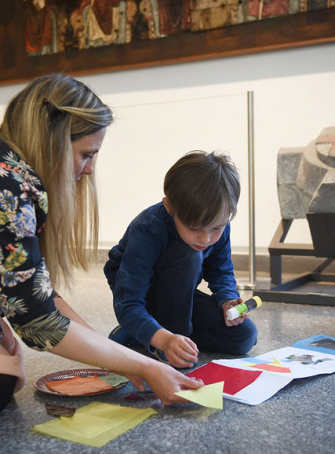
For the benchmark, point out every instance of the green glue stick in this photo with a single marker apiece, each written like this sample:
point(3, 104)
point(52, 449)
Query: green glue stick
point(246, 307)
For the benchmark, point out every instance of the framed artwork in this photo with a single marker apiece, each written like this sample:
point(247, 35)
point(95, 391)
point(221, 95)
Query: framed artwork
point(87, 36)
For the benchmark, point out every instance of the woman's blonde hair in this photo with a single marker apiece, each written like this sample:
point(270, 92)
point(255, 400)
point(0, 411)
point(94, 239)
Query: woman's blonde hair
point(39, 124)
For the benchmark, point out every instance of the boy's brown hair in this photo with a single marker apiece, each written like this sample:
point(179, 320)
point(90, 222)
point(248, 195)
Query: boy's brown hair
point(199, 185)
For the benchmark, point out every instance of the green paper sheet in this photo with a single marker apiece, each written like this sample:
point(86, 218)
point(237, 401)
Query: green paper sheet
point(114, 379)
point(95, 424)
point(207, 396)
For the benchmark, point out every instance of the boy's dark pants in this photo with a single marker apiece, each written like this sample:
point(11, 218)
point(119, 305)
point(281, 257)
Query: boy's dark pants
point(178, 306)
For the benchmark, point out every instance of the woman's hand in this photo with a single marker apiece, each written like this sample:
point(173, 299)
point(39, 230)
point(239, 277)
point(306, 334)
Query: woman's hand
point(165, 381)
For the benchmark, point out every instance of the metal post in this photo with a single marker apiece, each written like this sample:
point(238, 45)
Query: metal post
point(251, 192)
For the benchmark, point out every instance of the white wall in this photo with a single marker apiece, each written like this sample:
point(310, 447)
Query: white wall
point(163, 112)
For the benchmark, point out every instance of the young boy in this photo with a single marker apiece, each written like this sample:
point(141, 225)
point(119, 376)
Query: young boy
point(165, 253)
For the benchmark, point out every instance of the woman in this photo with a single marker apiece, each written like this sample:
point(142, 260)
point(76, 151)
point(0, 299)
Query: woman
point(49, 138)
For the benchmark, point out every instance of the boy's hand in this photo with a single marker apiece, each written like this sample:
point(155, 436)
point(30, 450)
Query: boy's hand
point(227, 305)
point(180, 351)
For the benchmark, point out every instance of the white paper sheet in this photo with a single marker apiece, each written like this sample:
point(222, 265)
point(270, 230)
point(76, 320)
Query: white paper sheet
point(286, 364)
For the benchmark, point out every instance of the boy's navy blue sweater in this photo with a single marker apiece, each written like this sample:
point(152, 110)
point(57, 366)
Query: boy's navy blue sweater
point(131, 265)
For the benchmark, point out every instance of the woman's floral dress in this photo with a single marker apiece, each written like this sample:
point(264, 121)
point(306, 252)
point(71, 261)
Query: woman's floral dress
point(26, 295)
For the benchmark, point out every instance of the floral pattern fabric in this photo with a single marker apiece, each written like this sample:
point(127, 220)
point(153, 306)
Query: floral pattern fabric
point(26, 294)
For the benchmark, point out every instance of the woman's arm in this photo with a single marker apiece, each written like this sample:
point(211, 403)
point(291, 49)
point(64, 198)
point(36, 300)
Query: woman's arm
point(68, 312)
point(27, 294)
point(86, 346)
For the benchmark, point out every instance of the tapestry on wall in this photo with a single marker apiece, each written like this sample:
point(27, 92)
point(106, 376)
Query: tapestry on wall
point(38, 36)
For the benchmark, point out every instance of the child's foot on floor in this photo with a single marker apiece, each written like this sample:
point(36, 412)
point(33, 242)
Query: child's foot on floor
point(121, 336)
point(160, 355)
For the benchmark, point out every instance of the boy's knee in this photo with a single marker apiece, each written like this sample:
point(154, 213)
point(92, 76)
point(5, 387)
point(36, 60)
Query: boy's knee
point(183, 259)
point(247, 338)
point(193, 260)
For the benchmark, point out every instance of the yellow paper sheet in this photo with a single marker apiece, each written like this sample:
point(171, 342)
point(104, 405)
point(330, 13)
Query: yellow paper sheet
point(95, 424)
point(208, 396)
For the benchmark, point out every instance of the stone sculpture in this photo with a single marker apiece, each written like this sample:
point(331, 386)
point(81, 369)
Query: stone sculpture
point(306, 177)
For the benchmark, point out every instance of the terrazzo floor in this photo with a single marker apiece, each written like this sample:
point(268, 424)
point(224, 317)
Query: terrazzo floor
point(299, 419)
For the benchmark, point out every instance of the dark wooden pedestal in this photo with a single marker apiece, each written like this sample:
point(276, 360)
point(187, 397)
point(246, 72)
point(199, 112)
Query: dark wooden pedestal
point(316, 287)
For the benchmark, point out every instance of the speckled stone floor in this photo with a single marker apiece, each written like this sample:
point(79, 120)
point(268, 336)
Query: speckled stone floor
point(299, 419)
